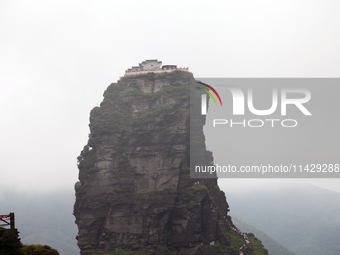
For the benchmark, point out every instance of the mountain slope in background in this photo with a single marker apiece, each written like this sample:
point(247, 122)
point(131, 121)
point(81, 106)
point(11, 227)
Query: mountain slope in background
point(273, 247)
point(305, 219)
point(44, 219)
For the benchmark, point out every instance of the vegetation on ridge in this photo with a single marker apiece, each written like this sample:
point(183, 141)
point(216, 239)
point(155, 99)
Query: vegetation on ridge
point(86, 165)
point(10, 244)
point(115, 112)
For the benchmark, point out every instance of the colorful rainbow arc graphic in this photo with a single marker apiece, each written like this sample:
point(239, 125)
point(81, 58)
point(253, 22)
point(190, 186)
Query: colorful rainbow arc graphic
point(209, 92)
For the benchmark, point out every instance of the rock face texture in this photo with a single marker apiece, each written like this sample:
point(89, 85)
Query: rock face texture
point(134, 191)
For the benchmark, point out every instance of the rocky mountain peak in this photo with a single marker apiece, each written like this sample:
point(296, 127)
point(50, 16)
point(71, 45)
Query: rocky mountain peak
point(134, 191)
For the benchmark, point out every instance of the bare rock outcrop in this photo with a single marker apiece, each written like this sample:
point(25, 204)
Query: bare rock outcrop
point(135, 191)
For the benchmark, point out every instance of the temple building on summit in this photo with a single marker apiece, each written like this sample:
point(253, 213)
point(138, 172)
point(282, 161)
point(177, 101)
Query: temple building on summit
point(153, 65)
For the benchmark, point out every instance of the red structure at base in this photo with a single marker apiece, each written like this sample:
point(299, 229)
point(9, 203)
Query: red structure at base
point(7, 220)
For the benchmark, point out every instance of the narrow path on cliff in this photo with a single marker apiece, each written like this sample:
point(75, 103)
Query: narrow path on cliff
point(244, 235)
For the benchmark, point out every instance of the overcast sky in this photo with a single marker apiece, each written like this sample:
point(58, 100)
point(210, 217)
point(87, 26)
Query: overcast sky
point(58, 57)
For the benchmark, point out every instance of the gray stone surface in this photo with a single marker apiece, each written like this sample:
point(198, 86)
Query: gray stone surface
point(135, 181)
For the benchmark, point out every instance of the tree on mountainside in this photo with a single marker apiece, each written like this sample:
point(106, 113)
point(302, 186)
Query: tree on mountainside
point(9, 241)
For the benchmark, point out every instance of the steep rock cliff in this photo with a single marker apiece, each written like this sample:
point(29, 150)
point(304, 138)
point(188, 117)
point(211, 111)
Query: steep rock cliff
point(134, 191)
